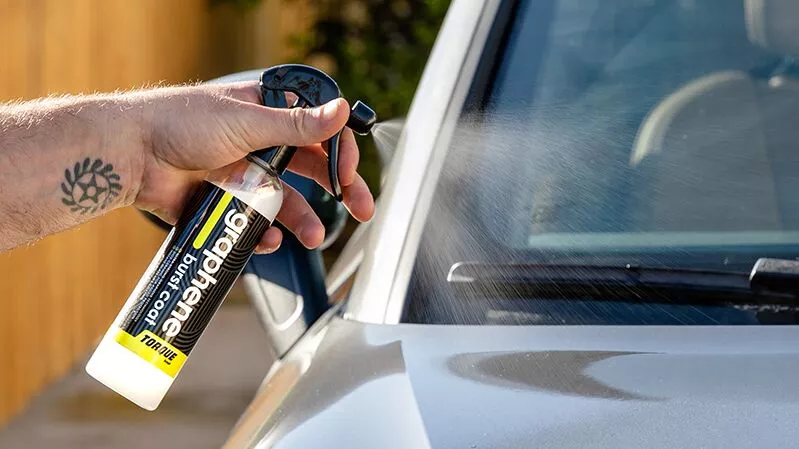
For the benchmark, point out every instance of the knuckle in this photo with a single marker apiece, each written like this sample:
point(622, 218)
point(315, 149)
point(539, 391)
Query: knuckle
point(244, 92)
point(299, 121)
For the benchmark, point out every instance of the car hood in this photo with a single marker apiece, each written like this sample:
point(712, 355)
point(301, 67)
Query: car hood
point(414, 386)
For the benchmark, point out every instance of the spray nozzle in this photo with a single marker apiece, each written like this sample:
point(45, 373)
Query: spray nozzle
point(362, 118)
point(312, 87)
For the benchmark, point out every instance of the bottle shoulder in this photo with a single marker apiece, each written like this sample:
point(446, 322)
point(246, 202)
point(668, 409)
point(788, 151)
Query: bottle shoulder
point(248, 182)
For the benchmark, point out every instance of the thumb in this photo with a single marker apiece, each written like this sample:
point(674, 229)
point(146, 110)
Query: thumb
point(266, 127)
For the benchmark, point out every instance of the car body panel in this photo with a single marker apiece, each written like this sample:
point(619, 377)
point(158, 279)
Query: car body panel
point(357, 379)
point(371, 385)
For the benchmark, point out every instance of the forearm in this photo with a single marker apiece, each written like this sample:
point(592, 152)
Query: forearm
point(65, 161)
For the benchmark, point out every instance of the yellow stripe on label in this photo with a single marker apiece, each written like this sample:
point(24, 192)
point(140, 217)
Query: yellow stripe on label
point(154, 350)
point(216, 214)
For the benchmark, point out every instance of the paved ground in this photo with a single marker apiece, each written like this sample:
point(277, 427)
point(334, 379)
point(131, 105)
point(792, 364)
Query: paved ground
point(213, 389)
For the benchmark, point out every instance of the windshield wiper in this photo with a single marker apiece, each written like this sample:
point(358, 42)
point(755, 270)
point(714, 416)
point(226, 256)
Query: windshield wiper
point(771, 282)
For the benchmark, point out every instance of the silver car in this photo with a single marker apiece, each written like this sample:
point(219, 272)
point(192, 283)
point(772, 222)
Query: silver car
point(565, 245)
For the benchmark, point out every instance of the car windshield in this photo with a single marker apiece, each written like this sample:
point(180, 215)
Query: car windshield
point(657, 133)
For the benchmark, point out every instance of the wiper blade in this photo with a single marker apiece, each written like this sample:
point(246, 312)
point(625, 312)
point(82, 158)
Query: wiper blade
point(771, 282)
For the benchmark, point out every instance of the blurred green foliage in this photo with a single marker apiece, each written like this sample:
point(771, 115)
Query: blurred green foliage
point(378, 47)
point(376, 50)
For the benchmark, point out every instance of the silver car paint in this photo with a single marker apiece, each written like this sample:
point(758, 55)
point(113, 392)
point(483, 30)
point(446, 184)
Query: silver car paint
point(413, 386)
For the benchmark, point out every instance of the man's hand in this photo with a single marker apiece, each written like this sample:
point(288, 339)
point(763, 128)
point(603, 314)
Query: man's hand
point(196, 129)
point(65, 160)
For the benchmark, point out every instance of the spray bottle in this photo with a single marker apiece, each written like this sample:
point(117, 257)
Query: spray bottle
point(148, 343)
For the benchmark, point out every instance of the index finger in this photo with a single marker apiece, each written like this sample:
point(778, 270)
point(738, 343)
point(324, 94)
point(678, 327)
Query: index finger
point(348, 158)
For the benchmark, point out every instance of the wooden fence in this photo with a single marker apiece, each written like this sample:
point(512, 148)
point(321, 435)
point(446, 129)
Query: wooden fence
point(60, 294)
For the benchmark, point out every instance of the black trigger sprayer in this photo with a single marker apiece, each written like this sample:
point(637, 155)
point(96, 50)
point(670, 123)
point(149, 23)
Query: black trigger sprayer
point(165, 315)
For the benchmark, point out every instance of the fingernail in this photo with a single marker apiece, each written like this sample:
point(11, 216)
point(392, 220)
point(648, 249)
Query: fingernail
point(310, 235)
point(329, 110)
point(365, 206)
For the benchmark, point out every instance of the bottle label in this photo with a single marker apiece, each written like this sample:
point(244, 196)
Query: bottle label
point(189, 277)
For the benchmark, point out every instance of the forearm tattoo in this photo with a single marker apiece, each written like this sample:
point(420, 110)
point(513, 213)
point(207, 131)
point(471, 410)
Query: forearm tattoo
point(90, 186)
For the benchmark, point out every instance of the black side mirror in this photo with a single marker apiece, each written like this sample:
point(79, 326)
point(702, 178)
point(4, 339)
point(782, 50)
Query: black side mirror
point(287, 288)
